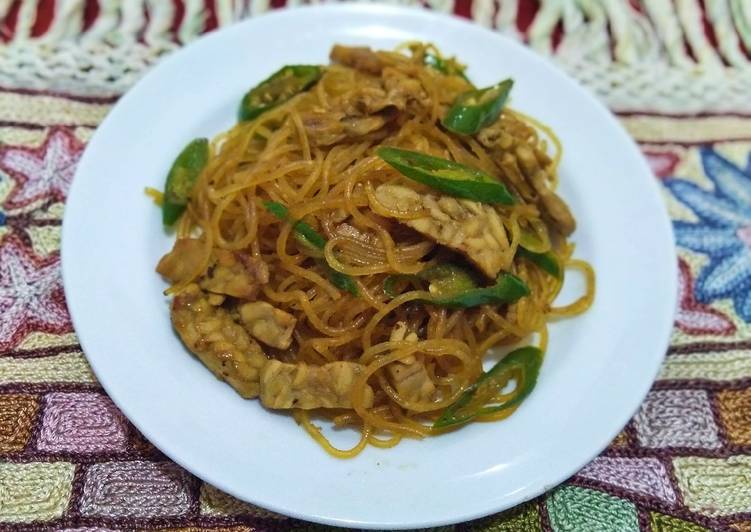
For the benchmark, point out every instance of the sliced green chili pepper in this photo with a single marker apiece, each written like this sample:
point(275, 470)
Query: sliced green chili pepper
point(181, 178)
point(312, 238)
point(547, 261)
point(448, 280)
point(454, 287)
point(476, 109)
point(450, 67)
point(303, 230)
point(341, 280)
point(524, 363)
point(278, 88)
point(535, 237)
point(444, 279)
point(507, 289)
point(453, 178)
point(389, 284)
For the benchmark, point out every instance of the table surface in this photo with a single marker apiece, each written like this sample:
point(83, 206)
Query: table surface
point(680, 82)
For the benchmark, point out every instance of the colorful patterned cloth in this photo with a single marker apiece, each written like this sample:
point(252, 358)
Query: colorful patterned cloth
point(70, 460)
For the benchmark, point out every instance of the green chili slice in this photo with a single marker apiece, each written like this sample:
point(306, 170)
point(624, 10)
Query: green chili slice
point(278, 88)
point(303, 230)
point(508, 288)
point(452, 286)
point(453, 178)
point(448, 280)
point(444, 279)
point(308, 236)
point(548, 261)
point(476, 109)
point(182, 177)
point(535, 237)
point(449, 67)
point(341, 280)
point(485, 395)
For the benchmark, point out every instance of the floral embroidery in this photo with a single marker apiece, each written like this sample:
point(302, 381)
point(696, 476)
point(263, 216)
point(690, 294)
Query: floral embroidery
point(694, 317)
point(662, 163)
point(723, 231)
point(31, 294)
point(42, 173)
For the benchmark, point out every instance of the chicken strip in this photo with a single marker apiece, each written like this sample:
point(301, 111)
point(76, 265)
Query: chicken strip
point(229, 272)
point(268, 324)
point(219, 342)
point(303, 386)
point(235, 274)
point(472, 228)
point(182, 261)
point(409, 375)
point(326, 127)
point(360, 58)
point(553, 205)
point(403, 89)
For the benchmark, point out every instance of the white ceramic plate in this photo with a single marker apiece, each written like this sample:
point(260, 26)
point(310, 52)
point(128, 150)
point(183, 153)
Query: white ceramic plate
point(597, 370)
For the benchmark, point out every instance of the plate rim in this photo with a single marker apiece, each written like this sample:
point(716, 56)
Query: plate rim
point(374, 9)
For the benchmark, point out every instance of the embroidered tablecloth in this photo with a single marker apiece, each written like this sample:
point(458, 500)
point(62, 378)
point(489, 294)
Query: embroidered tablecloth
point(678, 75)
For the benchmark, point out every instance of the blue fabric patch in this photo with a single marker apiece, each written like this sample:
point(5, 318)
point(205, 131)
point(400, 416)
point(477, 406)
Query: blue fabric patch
point(723, 231)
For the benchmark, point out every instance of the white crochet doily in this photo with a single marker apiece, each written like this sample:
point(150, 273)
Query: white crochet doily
point(657, 58)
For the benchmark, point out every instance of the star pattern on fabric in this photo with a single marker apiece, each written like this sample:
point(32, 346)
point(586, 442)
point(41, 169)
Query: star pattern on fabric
point(41, 173)
point(722, 232)
point(694, 317)
point(31, 294)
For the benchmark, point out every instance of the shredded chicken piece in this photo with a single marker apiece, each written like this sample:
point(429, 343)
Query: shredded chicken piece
point(553, 205)
point(409, 375)
point(235, 274)
point(182, 261)
point(268, 324)
point(229, 273)
point(218, 341)
point(357, 126)
point(325, 128)
point(367, 238)
point(358, 57)
point(513, 173)
point(303, 386)
point(403, 89)
point(494, 136)
point(524, 166)
point(473, 228)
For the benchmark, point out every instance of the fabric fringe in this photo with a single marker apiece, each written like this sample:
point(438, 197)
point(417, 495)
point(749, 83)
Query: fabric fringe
point(657, 57)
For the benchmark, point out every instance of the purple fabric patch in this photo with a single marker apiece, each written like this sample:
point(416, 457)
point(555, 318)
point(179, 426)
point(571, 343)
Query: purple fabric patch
point(645, 476)
point(677, 418)
point(81, 422)
point(136, 489)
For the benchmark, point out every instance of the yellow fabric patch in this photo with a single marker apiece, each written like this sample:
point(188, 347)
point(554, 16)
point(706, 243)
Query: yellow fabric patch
point(66, 367)
point(715, 486)
point(37, 340)
point(216, 503)
point(648, 128)
point(45, 239)
point(49, 110)
point(715, 366)
point(34, 492)
point(21, 136)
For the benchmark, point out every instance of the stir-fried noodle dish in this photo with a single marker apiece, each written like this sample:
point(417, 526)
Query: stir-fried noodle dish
point(357, 243)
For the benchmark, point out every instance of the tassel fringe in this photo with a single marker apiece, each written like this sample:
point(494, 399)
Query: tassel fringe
point(656, 57)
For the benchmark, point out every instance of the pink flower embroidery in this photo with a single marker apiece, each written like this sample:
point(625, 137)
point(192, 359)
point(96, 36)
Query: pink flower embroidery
point(663, 163)
point(694, 317)
point(41, 173)
point(31, 294)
